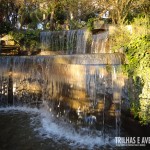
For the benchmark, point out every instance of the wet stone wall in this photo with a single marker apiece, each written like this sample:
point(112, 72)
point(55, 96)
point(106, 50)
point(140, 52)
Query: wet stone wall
point(84, 93)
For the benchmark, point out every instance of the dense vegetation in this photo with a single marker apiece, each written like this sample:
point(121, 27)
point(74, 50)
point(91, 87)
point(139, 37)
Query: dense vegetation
point(136, 46)
point(63, 14)
point(26, 39)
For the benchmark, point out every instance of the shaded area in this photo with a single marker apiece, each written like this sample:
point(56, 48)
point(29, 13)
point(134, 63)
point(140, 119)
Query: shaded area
point(17, 133)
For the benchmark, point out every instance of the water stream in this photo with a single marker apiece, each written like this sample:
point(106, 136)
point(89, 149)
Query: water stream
point(71, 41)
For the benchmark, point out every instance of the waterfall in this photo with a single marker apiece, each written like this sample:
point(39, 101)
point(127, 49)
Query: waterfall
point(85, 89)
point(65, 82)
point(75, 41)
point(35, 71)
point(70, 42)
point(99, 43)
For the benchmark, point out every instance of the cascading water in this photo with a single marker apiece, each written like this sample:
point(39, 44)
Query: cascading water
point(70, 42)
point(81, 89)
point(99, 43)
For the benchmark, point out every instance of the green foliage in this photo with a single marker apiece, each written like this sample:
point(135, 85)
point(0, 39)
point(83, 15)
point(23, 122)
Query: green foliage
point(140, 26)
point(5, 27)
point(138, 55)
point(90, 23)
point(60, 14)
point(28, 39)
point(30, 15)
point(136, 45)
point(74, 24)
point(120, 38)
point(137, 52)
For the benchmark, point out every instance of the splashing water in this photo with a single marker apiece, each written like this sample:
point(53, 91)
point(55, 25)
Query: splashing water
point(50, 128)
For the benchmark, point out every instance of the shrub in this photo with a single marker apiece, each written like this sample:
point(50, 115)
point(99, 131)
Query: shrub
point(27, 39)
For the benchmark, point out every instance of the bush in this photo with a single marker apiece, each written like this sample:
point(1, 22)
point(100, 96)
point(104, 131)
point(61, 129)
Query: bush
point(27, 39)
point(136, 45)
point(5, 27)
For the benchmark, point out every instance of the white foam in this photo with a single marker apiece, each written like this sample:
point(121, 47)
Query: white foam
point(66, 132)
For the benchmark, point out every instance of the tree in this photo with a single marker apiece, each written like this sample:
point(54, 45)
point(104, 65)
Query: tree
point(7, 15)
point(30, 14)
point(48, 9)
point(56, 11)
point(120, 9)
point(9, 12)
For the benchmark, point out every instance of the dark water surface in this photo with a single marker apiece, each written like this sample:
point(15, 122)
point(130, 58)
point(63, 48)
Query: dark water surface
point(17, 133)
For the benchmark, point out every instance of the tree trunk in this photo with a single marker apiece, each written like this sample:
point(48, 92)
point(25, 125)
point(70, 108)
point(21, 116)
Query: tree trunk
point(52, 26)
